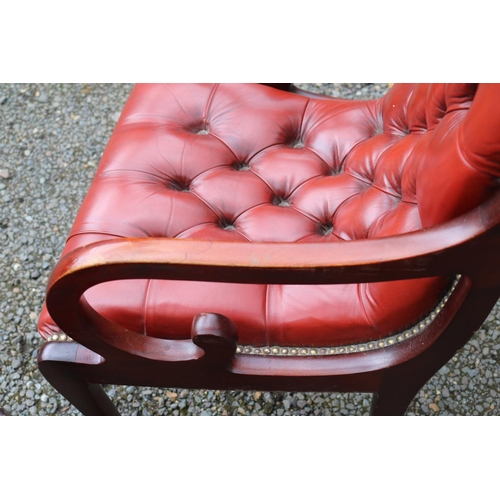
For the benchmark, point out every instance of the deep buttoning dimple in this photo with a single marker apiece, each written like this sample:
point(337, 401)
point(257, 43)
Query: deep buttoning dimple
point(281, 201)
point(241, 166)
point(179, 185)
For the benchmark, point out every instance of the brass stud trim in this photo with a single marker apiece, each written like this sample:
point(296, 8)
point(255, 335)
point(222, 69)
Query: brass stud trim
point(59, 337)
point(353, 348)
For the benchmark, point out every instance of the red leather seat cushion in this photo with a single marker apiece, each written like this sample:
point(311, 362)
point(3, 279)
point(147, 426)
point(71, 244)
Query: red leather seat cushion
point(248, 162)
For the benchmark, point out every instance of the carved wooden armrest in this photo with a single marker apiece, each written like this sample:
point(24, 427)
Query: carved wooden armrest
point(457, 247)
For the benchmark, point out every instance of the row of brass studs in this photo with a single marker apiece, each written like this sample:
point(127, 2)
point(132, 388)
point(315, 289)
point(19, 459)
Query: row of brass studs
point(353, 348)
point(59, 337)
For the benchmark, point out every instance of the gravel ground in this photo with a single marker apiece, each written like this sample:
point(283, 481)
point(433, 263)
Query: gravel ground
point(52, 137)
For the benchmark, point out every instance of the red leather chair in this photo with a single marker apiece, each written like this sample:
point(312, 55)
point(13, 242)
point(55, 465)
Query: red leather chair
point(250, 237)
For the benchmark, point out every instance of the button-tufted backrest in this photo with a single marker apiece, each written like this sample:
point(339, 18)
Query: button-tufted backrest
point(236, 162)
point(459, 158)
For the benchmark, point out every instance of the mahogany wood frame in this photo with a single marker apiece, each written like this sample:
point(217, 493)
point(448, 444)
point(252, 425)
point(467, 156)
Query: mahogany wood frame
point(105, 353)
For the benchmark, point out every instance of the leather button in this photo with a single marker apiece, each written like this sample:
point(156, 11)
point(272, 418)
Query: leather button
point(326, 228)
point(201, 129)
point(241, 166)
point(281, 201)
point(227, 225)
point(297, 144)
point(179, 185)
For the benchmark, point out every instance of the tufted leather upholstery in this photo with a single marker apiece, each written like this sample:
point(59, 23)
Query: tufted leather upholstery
point(253, 163)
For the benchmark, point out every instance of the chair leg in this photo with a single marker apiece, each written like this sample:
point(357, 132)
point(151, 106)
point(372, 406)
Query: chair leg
point(401, 383)
point(393, 397)
point(67, 379)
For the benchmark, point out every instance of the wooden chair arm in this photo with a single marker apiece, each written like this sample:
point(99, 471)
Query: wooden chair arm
point(467, 246)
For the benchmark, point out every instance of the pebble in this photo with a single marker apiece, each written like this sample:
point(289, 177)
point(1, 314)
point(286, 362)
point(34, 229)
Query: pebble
point(36, 214)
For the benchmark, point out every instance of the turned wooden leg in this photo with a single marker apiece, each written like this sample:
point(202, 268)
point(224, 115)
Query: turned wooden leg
point(59, 363)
